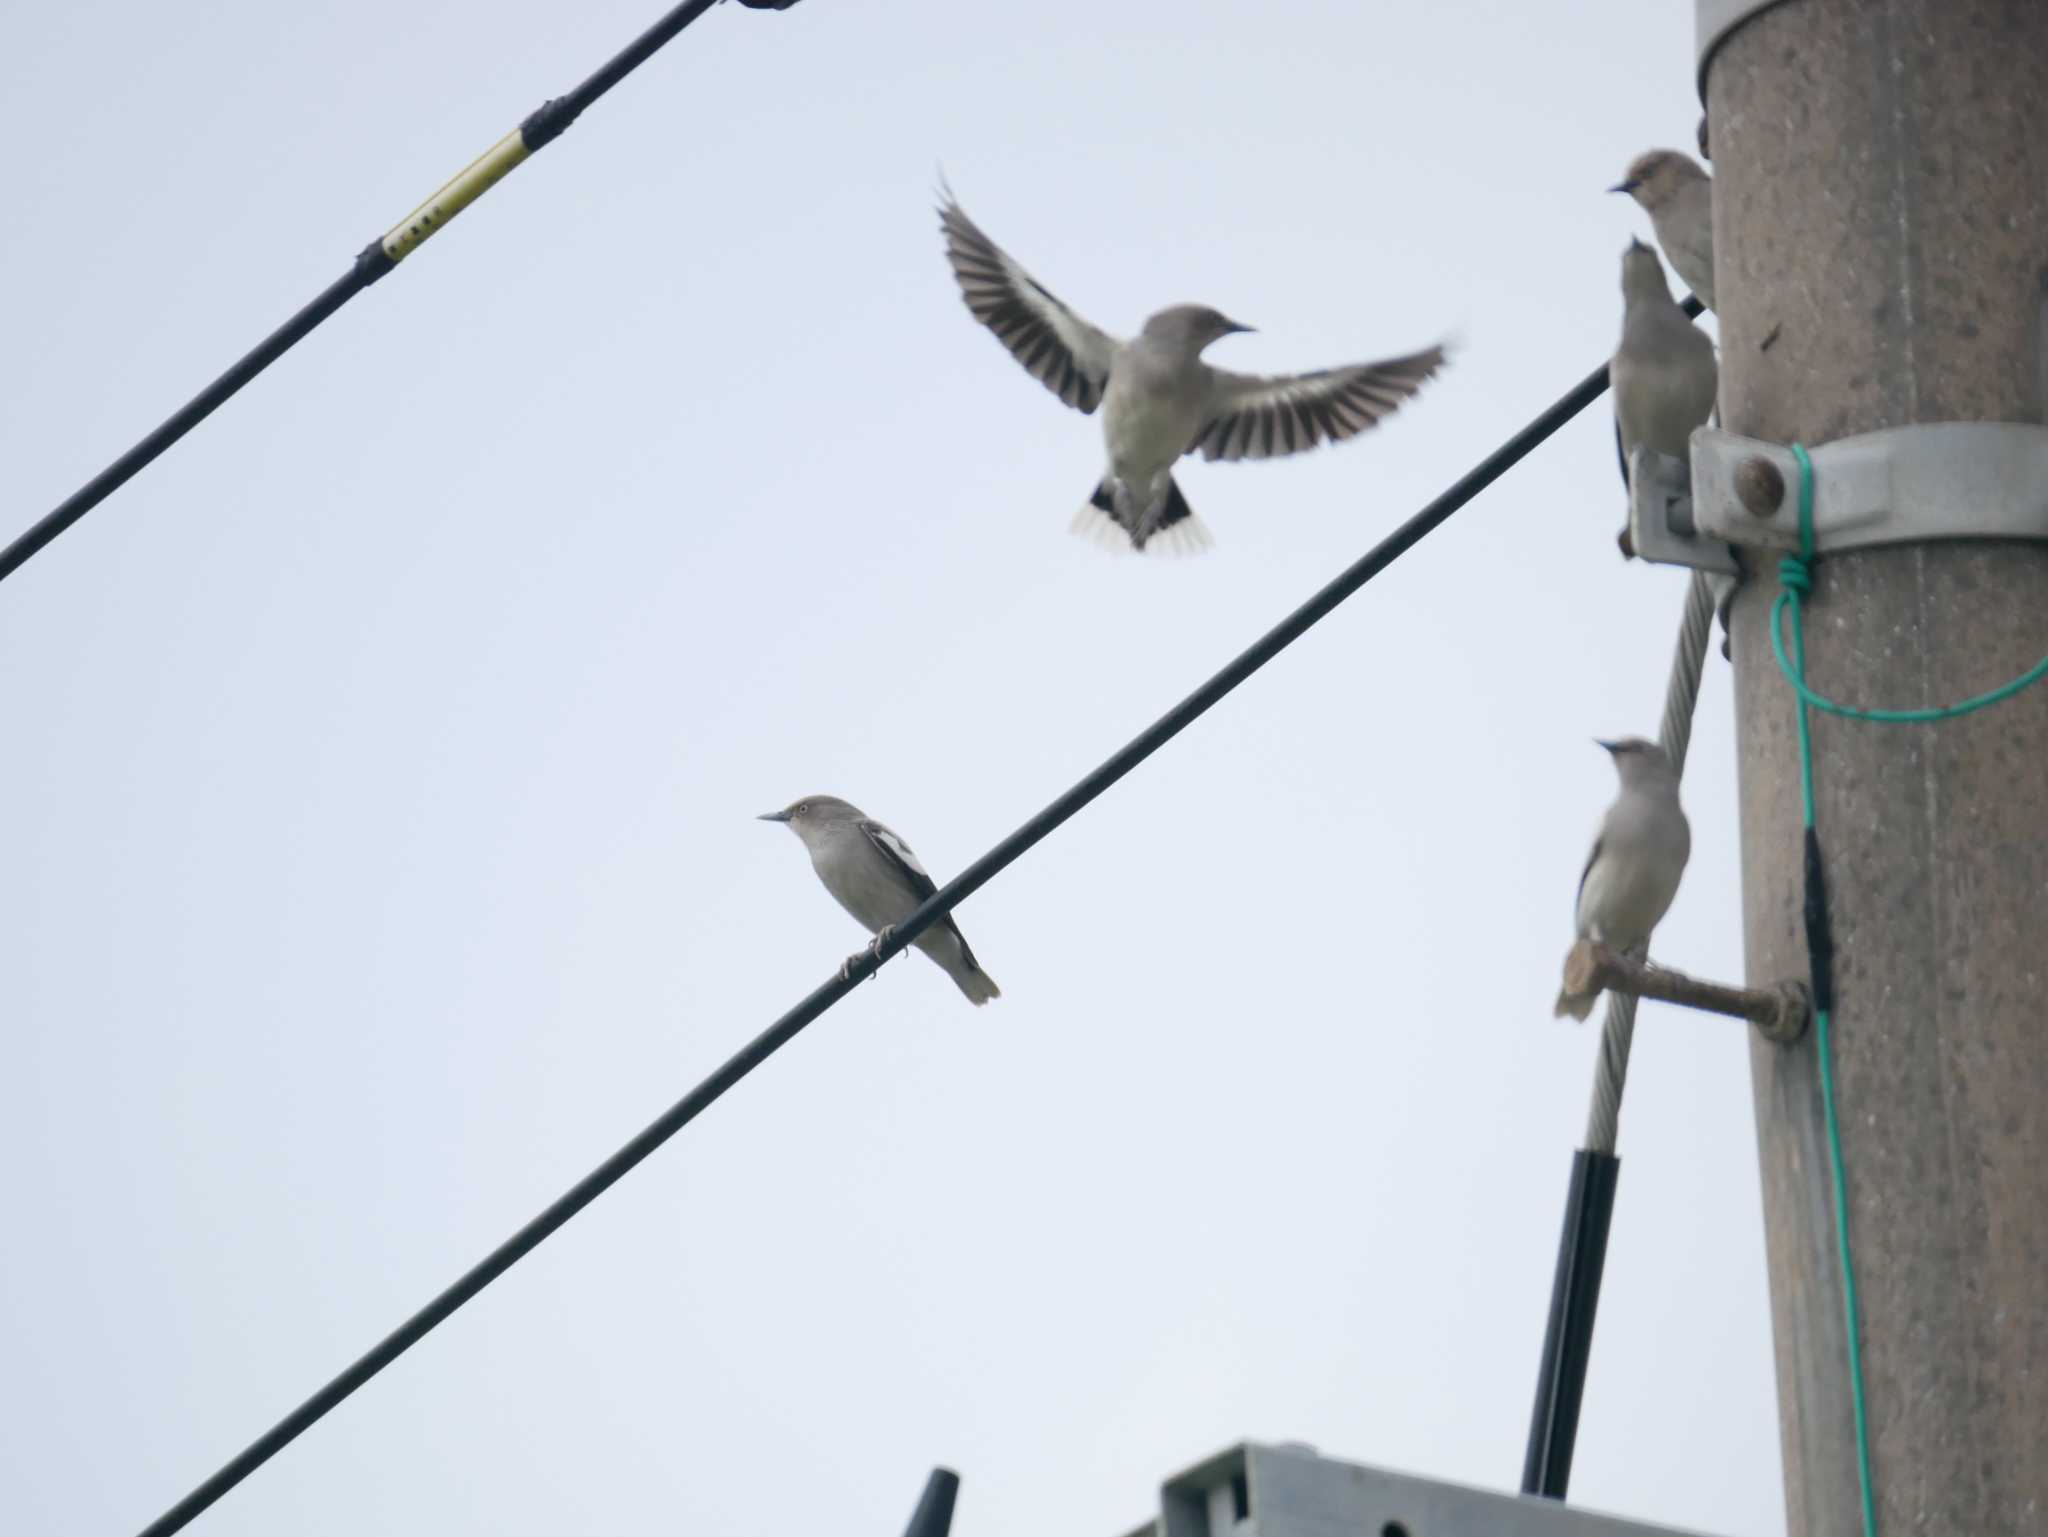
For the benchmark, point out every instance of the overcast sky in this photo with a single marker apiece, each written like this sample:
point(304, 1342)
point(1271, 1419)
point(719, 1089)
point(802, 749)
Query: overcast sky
point(381, 768)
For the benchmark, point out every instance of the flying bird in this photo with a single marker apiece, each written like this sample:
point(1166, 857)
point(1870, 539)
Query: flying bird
point(1159, 399)
point(871, 872)
point(1640, 853)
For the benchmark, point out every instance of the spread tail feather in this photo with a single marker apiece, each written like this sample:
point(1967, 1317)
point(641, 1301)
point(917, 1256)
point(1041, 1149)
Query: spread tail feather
point(1578, 1005)
point(1175, 530)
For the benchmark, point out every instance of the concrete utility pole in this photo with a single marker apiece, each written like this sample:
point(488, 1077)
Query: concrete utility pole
point(1881, 248)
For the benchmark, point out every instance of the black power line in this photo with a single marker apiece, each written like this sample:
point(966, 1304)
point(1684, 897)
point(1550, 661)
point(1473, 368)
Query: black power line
point(377, 258)
point(962, 886)
point(934, 1514)
point(1568, 1337)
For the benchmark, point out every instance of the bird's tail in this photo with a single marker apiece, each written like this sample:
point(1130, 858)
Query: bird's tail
point(977, 984)
point(944, 943)
point(1578, 1005)
point(1173, 529)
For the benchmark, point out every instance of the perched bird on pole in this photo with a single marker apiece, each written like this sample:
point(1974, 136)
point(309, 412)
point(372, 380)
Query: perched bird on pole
point(1159, 399)
point(1664, 382)
point(1632, 874)
point(1679, 198)
point(1663, 373)
point(871, 872)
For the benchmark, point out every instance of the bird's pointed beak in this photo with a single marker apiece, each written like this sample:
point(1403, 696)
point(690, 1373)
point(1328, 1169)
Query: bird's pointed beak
point(1612, 747)
point(1235, 327)
point(1624, 186)
point(773, 816)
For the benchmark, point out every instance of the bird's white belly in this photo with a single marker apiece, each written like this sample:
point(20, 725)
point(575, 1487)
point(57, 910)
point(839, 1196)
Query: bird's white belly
point(862, 889)
point(1146, 430)
point(1624, 899)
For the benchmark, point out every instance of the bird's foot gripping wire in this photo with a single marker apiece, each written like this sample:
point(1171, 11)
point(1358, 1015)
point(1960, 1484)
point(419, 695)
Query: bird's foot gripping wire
point(873, 952)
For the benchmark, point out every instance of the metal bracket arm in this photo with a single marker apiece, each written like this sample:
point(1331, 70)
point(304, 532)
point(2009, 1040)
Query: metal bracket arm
point(1779, 1013)
point(1904, 485)
point(1662, 526)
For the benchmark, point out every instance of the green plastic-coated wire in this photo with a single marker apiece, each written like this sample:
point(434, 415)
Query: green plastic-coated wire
point(1796, 572)
point(1849, 1310)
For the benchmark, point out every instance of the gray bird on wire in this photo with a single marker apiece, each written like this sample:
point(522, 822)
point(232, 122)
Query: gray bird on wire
point(1663, 373)
point(1679, 198)
point(1159, 399)
point(1637, 859)
point(871, 872)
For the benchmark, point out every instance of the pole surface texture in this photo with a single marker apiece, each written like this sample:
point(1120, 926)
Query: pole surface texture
point(1881, 248)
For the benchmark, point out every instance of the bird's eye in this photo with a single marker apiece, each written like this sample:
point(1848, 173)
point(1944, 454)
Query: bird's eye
point(805, 807)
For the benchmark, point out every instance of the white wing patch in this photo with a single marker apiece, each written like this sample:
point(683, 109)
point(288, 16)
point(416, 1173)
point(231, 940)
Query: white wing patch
point(898, 847)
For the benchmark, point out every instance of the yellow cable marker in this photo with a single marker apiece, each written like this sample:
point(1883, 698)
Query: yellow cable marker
point(484, 173)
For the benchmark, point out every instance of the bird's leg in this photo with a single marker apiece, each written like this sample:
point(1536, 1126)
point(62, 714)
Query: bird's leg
point(873, 952)
point(1126, 511)
point(1147, 522)
point(1120, 499)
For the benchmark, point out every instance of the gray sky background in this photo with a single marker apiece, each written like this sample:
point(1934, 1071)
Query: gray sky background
point(382, 762)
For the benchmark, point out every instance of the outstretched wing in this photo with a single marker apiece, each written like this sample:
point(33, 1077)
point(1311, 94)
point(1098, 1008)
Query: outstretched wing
point(1058, 348)
point(1258, 418)
point(897, 852)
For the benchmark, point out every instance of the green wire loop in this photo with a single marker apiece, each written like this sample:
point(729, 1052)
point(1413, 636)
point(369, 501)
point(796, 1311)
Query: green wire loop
point(1796, 573)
